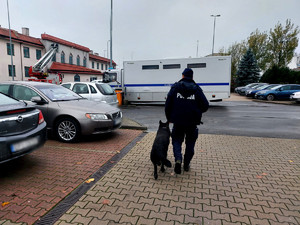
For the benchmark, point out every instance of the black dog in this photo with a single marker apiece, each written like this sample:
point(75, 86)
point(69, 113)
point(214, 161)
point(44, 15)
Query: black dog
point(159, 150)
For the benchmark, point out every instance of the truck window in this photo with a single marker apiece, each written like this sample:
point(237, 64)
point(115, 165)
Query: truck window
point(109, 77)
point(150, 67)
point(171, 66)
point(196, 65)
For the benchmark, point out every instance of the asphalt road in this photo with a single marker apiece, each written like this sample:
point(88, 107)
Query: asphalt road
point(242, 118)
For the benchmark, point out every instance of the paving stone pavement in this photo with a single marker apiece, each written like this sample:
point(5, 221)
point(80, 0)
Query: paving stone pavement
point(33, 184)
point(233, 180)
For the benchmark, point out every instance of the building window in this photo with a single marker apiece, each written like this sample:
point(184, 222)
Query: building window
point(71, 59)
point(78, 60)
point(196, 65)
point(26, 68)
point(54, 58)
point(10, 72)
point(76, 78)
point(101, 66)
point(97, 66)
point(93, 64)
point(171, 66)
point(106, 67)
point(91, 79)
point(84, 61)
point(38, 54)
point(150, 67)
point(26, 52)
point(62, 57)
point(10, 52)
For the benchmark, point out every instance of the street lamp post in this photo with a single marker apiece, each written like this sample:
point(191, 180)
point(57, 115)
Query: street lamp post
point(197, 48)
point(10, 44)
point(111, 23)
point(212, 52)
point(107, 48)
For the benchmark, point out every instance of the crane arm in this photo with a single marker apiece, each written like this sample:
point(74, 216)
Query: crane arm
point(43, 62)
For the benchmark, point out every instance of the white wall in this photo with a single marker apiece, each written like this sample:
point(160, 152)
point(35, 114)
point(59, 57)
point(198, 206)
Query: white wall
point(18, 59)
point(67, 50)
point(83, 77)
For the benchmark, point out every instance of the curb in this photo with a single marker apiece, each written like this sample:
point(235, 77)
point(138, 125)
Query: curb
point(277, 102)
point(133, 127)
point(131, 124)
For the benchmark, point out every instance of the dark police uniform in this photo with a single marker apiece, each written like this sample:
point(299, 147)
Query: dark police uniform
point(184, 107)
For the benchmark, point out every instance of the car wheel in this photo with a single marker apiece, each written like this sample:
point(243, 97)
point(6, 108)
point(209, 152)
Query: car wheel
point(270, 97)
point(67, 130)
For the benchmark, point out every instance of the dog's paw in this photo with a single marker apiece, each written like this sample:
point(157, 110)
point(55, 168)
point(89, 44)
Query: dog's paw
point(168, 163)
point(162, 169)
point(155, 176)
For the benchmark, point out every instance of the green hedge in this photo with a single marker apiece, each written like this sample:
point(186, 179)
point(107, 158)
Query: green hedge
point(281, 75)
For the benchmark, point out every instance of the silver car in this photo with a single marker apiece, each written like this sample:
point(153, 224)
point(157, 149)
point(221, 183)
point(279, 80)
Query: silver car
point(99, 92)
point(68, 115)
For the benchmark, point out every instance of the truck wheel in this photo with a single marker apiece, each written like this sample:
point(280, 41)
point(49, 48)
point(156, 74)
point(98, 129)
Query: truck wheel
point(270, 97)
point(67, 130)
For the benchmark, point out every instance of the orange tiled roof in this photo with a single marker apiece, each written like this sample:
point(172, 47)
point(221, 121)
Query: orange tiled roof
point(99, 58)
point(64, 42)
point(57, 67)
point(21, 38)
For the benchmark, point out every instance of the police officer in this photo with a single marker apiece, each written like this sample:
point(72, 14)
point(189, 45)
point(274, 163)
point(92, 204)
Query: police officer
point(184, 107)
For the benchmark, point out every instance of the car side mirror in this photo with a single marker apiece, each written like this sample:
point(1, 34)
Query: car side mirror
point(38, 100)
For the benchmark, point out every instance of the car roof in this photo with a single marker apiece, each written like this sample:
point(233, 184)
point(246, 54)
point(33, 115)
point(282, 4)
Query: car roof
point(82, 82)
point(29, 83)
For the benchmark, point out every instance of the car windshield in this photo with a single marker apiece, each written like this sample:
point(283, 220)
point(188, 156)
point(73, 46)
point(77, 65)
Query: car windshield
point(5, 100)
point(278, 86)
point(262, 87)
point(58, 93)
point(269, 87)
point(105, 89)
point(258, 86)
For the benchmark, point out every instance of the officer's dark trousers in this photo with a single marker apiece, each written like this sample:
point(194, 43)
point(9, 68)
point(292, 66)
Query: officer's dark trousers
point(190, 134)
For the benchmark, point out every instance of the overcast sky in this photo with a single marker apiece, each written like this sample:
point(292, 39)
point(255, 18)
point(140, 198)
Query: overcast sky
point(149, 29)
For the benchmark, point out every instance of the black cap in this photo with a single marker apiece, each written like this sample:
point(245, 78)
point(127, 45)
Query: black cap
point(188, 73)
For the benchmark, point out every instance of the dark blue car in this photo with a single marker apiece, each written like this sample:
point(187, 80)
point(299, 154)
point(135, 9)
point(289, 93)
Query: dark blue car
point(252, 91)
point(280, 92)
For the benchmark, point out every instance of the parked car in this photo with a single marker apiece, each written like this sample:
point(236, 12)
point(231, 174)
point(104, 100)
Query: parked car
point(94, 91)
point(280, 92)
point(252, 91)
point(295, 96)
point(22, 128)
point(242, 90)
point(68, 115)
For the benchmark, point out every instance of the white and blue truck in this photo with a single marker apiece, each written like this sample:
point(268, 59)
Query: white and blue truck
point(149, 81)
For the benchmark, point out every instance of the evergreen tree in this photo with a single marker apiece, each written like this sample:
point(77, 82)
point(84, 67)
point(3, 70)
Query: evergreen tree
point(248, 71)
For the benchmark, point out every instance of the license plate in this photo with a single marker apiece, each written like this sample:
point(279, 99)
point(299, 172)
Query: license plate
point(24, 145)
